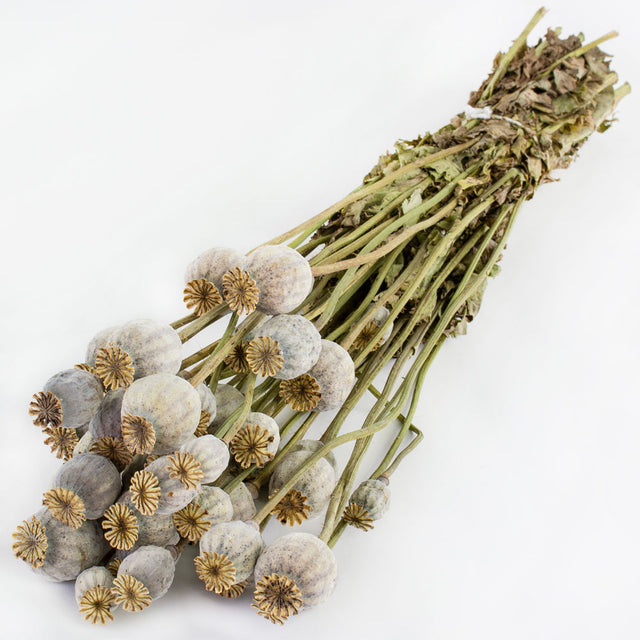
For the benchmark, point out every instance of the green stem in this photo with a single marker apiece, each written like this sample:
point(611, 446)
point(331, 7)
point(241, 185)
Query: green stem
point(515, 48)
point(225, 346)
point(305, 229)
point(203, 321)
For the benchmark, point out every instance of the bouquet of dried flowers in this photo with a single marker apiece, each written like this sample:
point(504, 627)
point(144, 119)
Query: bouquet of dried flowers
point(162, 450)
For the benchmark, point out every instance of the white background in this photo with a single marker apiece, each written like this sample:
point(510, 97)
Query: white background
point(134, 135)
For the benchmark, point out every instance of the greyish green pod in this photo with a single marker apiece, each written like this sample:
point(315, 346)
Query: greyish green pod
point(301, 558)
point(335, 374)
point(101, 339)
point(69, 551)
point(244, 507)
point(83, 444)
point(143, 576)
point(316, 483)
point(93, 594)
point(299, 341)
point(216, 502)
point(380, 318)
point(108, 420)
point(228, 399)
point(313, 446)
point(267, 423)
point(97, 576)
point(373, 496)
point(240, 542)
point(91, 479)
point(207, 401)
point(283, 277)
point(154, 347)
point(79, 393)
point(158, 530)
point(169, 403)
point(213, 264)
point(174, 495)
point(212, 454)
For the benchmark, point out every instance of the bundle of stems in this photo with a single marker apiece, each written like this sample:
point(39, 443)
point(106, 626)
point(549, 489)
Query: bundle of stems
point(420, 237)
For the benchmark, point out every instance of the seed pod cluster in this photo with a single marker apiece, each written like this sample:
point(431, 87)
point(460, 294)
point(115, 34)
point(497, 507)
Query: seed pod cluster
point(162, 448)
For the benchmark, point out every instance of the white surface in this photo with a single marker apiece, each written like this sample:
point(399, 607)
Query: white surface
point(137, 134)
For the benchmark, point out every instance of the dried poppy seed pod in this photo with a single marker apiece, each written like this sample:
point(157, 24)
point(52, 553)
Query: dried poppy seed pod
point(313, 446)
point(100, 340)
point(283, 277)
point(207, 405)
point(335, 374)
point(228, 399)
point(369, 502)
point(257, 441)
point(153, 347)
point(83, 488)
point(228, 554)
point(166, 485)
point(107, 422)
point(368, 332)
point(69, 399)
point(212, 265)
point(211, 453)
point(93, 594)
point(244, 507)
point(217, 504)
point(57, 551)
point(314, 486)
point(97, 576)
point(143, 576)
point(159, 413)
point(295, 571)
point(158, 530)
point(210, 507)
point(84, 444)
point(299, 341)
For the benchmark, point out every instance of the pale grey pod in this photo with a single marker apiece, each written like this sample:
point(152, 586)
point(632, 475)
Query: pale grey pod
point(151, 565)
point(283, 277)
point(380, 318)
point(305, 559)
point(173, 494)
point(92, 577)
point(372, 495)
point(240, 541)
point(107, 422)
point(94, 479)
point(316, 483)
point(268, 424)
point(216, 502)
point(244, 508)
point(169, 403)
point(158, 530)
point(213, 264)
point(207, 400)
point(80, 394)
point(313, 446)
point(299, 341)
point(153, 346)
point(83, 444)
point(212, 454)
point(98, 341)
point(335, 373)
point(70, 551)
point(228, 399)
